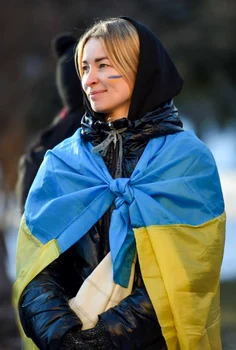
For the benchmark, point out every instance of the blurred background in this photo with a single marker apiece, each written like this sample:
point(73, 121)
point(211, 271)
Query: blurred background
point(200, 37)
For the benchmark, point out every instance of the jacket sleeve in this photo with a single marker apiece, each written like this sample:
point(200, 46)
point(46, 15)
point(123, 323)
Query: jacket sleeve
point(44, 311)
point(134, 322)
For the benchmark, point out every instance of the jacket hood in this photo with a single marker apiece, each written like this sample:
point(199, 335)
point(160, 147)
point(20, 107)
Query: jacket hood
point(157, 80)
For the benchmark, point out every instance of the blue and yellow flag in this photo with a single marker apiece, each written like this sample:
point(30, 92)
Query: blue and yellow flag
point(171, 210)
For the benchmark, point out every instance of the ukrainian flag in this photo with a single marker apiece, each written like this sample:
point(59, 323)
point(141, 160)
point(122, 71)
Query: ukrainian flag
point(171, 210)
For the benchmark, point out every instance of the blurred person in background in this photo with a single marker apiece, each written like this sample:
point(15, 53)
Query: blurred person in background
point(64, 125)
point(129, 181)
point(9, 335)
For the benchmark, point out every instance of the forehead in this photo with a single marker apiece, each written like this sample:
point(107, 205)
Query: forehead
point(93, 49)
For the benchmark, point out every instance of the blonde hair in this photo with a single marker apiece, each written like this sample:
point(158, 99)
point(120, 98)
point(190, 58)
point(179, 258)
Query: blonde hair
point(121, 43)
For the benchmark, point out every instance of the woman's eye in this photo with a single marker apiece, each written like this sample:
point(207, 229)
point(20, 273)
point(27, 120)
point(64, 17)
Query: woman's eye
point(103, 65)
point(85, 69)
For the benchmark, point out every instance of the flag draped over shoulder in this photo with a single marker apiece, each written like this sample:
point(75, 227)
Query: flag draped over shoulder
point(171, 210)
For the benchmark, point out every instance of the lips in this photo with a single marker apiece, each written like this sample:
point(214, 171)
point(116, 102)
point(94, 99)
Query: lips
point(93, 93)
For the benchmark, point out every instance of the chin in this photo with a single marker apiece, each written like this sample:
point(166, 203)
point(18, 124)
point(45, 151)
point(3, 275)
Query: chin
point(100, 110)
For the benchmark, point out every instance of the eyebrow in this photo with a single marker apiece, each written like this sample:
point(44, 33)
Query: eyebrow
point(98, 59)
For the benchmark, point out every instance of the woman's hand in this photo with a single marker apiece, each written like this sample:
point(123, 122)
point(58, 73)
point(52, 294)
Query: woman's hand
point(91, 339)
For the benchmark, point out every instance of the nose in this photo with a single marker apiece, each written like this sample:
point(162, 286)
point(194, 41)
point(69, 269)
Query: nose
point(90, 78)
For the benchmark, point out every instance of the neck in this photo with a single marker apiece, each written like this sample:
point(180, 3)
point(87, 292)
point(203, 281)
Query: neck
point(110, 118)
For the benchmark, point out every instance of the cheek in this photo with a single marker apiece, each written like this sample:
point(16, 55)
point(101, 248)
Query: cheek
point(114, 85)
point(126, 90)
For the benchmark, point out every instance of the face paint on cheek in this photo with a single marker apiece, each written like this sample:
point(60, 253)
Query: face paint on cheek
point(114, 77)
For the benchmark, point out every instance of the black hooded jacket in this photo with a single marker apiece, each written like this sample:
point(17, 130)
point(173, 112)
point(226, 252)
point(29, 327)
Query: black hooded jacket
point(44, 311)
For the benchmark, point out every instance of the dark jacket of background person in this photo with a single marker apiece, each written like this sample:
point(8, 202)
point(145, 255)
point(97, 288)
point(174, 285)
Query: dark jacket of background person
point(44, 311)
point(64, 125)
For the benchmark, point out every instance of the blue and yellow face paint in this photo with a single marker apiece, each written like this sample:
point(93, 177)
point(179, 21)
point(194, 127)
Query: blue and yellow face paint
point(114, 77)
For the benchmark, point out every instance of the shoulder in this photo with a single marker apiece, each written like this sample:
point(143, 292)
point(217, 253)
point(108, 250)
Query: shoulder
point(66, 151)
point(63, 157)
point(69, 142)
point(187, 138)
point(180, 154)
point(186, 144)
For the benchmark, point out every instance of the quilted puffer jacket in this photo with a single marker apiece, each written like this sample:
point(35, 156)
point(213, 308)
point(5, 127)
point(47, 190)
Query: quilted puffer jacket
point(45, 314)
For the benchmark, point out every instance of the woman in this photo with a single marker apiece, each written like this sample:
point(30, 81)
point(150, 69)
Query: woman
point(129, 180)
